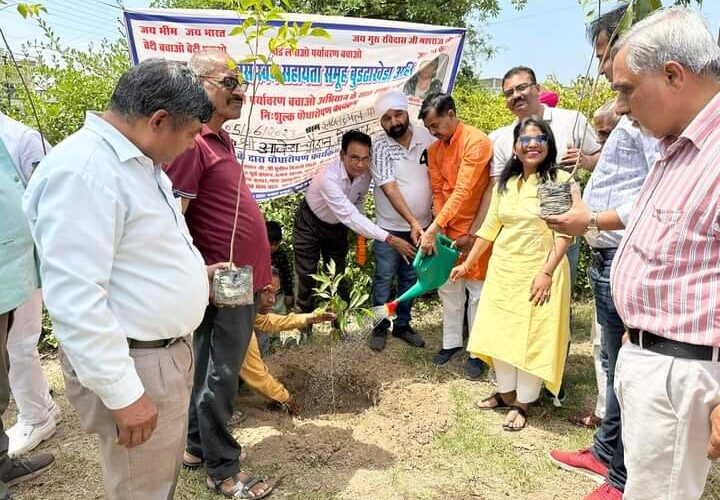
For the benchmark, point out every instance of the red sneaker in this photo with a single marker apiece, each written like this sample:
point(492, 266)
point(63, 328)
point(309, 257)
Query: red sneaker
point(581, 461)
point(605, 491)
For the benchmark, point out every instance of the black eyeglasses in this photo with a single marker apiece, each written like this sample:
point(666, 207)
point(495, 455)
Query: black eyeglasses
point(518, 88)
point(229, 82)
point(540, 140)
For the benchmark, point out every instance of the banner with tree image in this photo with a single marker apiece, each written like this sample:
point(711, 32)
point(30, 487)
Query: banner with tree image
point(328, 86)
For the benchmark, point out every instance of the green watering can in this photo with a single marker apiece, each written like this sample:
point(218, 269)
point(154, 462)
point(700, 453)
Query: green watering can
point(432, 271)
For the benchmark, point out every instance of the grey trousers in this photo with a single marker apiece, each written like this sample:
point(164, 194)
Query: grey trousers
point(148, 471)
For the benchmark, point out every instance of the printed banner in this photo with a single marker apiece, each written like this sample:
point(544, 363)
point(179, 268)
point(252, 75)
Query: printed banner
point(330, 85)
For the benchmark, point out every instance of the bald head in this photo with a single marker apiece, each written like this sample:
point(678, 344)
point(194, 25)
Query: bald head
point(605, 119)
point(205, 62)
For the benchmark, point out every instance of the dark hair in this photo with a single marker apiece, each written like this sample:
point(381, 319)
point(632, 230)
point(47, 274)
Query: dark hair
point(355, 136)
point(274, 231)
point(157, 84)
point(606, 23)
point(441, 102)
point(546, 170)
point(517, 70)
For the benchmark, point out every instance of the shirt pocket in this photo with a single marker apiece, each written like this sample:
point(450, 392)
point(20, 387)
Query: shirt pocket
point(667, 226)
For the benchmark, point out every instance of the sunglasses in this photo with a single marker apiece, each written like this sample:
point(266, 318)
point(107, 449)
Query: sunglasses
point(540, 140)
point(518, 88)
point(230, 83)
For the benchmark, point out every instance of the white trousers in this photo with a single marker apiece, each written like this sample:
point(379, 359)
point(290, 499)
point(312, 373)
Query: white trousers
point(510, 379)
point(600, 374)
point(452, 296)
point(28, 383)
point(665, 403)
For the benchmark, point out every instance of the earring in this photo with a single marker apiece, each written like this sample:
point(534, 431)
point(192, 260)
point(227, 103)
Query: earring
point(514, 156)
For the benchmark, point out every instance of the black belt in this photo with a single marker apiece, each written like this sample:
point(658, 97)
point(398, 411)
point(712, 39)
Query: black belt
point(674, 348)
point(152, 344)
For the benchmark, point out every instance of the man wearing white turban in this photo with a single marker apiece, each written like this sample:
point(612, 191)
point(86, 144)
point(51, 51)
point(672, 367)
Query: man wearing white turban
point(403, 205)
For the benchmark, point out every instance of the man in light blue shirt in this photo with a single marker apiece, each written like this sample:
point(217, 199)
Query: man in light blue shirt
point(19, 280)
point(123, 282)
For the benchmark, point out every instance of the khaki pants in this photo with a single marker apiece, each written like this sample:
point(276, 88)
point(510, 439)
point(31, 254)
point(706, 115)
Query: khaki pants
point(665, 403)
point(148, 471)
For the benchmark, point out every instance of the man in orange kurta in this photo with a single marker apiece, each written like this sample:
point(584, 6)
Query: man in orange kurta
point(459, 167)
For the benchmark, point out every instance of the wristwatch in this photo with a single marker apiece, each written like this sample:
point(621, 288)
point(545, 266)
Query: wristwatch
point(592, 226)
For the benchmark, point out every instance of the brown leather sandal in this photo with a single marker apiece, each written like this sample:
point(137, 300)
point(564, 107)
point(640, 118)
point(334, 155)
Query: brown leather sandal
point(241, 490)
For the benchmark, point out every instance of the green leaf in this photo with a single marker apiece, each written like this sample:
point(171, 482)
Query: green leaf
point(286, 4)
point(626, 21)
point(23, 10)
point(237, 30)
point(320, 33)
point(305, 28)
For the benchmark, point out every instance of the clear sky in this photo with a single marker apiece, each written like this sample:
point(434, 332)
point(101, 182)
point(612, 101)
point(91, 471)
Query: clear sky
point(548, 35)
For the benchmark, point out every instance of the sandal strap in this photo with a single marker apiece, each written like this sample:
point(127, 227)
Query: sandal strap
point(518, 409)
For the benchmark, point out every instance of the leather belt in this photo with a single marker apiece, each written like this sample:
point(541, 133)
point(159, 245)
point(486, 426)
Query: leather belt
point(152, 344)
point(675, 348)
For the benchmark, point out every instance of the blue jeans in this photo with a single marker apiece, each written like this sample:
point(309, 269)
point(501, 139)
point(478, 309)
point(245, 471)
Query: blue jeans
point(389, 264)
point(573, 257)
point(608, 446)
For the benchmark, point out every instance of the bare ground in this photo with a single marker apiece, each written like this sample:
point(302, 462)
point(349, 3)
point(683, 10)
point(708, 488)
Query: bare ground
point(373, 426)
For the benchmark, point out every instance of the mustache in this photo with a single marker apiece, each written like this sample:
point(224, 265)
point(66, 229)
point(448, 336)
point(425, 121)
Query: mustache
point(518, 99)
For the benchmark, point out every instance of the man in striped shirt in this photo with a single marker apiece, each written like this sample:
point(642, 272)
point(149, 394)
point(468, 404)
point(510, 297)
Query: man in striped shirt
point(666, 275)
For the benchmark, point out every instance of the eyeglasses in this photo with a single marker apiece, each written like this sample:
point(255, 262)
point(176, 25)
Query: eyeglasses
point(355, 159)
point(229, 82)
point(540, 140)
point(518, 88)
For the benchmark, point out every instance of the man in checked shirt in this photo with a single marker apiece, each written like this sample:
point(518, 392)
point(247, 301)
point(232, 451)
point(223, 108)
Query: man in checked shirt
point(666, 275)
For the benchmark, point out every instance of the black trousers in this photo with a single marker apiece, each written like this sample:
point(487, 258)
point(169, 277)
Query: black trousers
point(220, 344)
point(312, 239)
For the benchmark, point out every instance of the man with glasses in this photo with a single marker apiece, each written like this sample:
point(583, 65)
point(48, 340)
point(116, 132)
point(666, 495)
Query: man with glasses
point(332, 205)
point(210, 183)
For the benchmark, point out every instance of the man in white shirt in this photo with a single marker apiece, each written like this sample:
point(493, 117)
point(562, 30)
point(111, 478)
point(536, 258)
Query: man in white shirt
point(122, 281)
point(403, 206)
point(332, 205)
point(38, 414)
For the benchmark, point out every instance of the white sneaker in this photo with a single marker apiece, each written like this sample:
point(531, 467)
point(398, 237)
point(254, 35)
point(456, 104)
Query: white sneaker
point(56, 414)
point(24, 438)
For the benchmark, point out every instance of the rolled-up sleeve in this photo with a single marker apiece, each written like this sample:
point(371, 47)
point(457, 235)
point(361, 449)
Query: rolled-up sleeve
point(348, 214)
point(76, 273)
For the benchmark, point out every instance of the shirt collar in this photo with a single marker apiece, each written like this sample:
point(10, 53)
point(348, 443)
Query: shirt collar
point(458, 132)
point(124, 148)
point(704, 123)
point(547, 115)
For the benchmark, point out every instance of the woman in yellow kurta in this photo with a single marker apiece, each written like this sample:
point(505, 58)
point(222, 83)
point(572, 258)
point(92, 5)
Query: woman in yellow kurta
point(522, 323)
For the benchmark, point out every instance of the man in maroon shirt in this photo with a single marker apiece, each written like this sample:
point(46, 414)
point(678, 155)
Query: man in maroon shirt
point(209, 180)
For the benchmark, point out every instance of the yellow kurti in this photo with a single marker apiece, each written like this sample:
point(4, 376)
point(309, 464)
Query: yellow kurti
point(507, 325)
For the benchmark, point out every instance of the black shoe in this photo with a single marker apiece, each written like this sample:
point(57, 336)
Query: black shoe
point(474, 368)
point(25, 469)
point(377, 341)
point(406, 333)
point(444, 355)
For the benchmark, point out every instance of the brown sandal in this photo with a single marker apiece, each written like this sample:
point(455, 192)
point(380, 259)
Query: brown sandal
point(499, 402)
point(241, 490)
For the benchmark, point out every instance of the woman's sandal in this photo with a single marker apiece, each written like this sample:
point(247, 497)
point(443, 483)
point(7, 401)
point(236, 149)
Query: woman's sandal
point(500, 403)
point(241, 490)
point(522, 413)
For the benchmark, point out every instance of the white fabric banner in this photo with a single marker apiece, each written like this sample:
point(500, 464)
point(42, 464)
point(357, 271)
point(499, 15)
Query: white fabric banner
point(330, 85)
